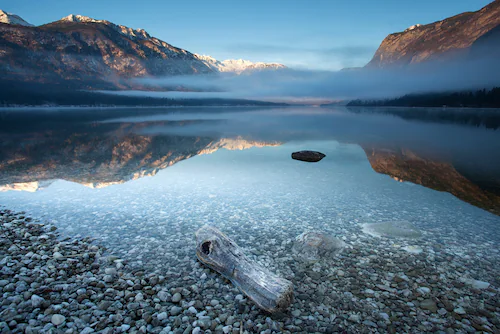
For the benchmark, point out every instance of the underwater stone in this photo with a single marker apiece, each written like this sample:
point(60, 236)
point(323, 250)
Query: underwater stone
point(476, 284)
point(312, 246)
point(394, 229)
point(57, 319)
point(429, 304)
point(413, 249)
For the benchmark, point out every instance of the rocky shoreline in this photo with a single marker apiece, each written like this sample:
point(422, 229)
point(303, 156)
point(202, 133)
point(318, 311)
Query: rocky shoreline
point(53, 285)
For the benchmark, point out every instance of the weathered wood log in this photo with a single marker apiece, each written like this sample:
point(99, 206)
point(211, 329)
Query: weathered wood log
point(270, 292)
point(308, 156)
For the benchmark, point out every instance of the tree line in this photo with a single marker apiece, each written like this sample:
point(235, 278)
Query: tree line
point(483, 98)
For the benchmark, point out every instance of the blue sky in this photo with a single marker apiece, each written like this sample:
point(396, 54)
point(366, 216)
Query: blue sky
point(313, 34)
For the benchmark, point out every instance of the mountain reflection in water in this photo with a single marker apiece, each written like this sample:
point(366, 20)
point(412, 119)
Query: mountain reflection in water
point(451, 151)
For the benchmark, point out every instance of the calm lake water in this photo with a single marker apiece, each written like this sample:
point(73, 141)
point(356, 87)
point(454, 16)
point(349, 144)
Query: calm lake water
point(142, 181)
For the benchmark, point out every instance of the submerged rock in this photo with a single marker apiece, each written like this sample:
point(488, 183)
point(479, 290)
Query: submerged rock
point(312, 246)
point(413, 249)
point(429, 304)
point(395, 229)
point(477, 284)
point(58, 319)
point(308, 156)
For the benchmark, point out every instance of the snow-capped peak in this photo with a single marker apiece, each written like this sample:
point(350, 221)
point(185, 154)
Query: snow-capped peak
point(237, 65)
point(13, 19)
point(206, 58)
point(79, 18)
point(413, 27)
point(132, 33)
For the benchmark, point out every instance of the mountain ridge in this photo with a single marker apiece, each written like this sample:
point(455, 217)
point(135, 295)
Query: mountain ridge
point(238, 66)
point(450, 38)
point(95, 54)
point(84, 52)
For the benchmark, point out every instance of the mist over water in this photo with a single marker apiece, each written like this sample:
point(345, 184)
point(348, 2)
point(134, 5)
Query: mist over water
point(292, 85)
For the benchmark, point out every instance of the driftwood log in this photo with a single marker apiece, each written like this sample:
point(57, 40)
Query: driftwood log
point(309, 156)
point(270, 292)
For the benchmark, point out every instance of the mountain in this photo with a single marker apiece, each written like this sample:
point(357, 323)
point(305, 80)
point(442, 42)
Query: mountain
point(404, 165)
point(86, 52)
point(97, 154)
point(83, 52)
point(9, 18)
point(447, 39)
point(237, 66)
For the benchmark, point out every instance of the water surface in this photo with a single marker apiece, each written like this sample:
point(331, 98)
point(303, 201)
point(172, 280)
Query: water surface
point(143, 181)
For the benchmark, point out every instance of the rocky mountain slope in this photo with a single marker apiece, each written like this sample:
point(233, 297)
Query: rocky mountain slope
point(238, 66)
point(90, 52)
point(447, 39)
point(9, 18)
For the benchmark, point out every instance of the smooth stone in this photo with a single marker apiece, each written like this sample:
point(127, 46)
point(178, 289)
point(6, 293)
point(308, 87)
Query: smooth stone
point(57, 319)
point(176, 297)
point(429, 304)
point(369, 323)
point(392, 229)
point(175, 310)
point(369, 292)
point(163, 295)
point(36, 301)
point(413, 249)
point(87, 330)
point(354, 318)
point(124, 327)
point(110, 271)
point(162, 316)
point(480, 285)
point(312, 246)
point(423, 290)
point(108, 278)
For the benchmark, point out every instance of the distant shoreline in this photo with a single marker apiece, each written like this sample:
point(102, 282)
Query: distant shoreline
point(414, 107)
point(77, 107)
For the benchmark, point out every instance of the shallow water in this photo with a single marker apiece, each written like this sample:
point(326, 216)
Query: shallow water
point(143, 184)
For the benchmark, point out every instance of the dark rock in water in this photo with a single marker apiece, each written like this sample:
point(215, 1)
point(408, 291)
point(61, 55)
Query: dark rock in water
point(309, 156)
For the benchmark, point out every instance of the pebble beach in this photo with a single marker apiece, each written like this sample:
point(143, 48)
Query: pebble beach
point(53, 284)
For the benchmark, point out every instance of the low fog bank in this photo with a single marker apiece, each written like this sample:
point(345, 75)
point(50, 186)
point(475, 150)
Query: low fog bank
point(303, 86)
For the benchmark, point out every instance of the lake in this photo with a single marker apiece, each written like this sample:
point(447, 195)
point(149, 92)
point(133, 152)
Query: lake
point(141, 181)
